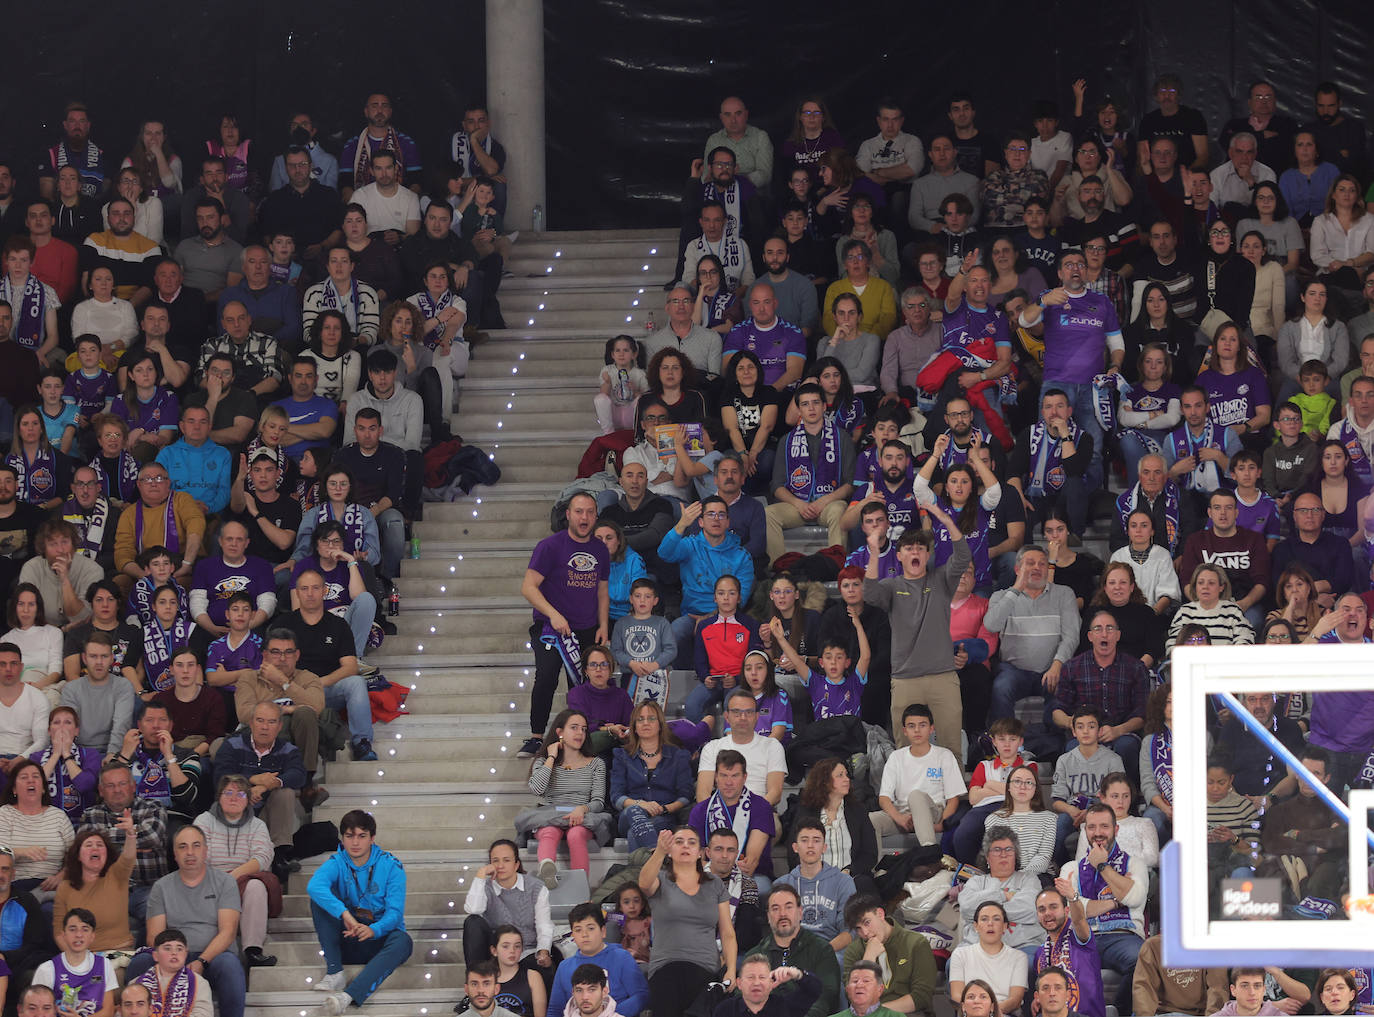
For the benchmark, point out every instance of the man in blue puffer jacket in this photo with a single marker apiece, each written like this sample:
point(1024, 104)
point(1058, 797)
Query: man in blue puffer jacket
point(702, 559)
point(357, 903)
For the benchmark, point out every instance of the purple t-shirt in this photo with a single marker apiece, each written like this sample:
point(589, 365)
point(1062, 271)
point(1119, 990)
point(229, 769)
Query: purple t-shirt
point(888, 565)
point(162, 410)
point(831, 700)
point(772, 346)
point(760, 818)
point(571, 570)
point(965, 326)
point(1076, 335)
point(221, 581)
point(1143, 401)
point(88, 395)
point(1233, 398)
point(1262, 517)
point(336, 593)
point(221, 657)
point(902, 509)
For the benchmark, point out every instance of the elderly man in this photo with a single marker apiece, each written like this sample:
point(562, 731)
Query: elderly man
point(1273, 131)
point(750, 145)
point(117, 795)
point(218, 578)
point(1233, 182)
point(811, 473)
point(274, 306)
point(159, 517)
point(909, 347)
point(90, 512)
point(197, 465)
point(274, 767)
point(256, 358)
point(698, 344)
point(1325, 555)
point(186, 308)
point(202, 902)
point(779, 345)
point(863, 989)
point(61, 575)
point(1156, 494)
point(1115, 682)
point(1038, 623)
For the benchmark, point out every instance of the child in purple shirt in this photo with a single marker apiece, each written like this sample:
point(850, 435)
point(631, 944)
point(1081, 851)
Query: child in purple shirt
point(240, 651)
point(837, 689)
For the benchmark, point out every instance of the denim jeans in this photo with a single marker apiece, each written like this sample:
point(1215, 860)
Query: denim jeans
point(350, 693)
point(1011, 684)
point(1119, 951)
point(359, 616)
point(700, 700)
point(379, 957)
point(640, 828)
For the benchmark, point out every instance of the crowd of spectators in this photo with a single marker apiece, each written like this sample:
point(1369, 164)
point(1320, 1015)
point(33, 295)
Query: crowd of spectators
point(1155, 343)
point(221, 369)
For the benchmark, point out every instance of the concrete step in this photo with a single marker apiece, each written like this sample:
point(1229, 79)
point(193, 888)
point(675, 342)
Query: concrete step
point(582, 367)
point(383, 1003)
point(475, 565)
point(444, 647)
point(550, 460)
point(624, 318)
point(452, 624)
point(565, 246)
point(432, 592)
point(509, 771)
point(530, 530)
point(496, 504)
point(307, 954)
point(524, 400)
point(610, 298)
point(574, 418)
point(425, 976)
point(655, 268)
point(400, 815)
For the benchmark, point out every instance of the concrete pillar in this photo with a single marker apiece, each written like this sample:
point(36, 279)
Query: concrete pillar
point(515, 96)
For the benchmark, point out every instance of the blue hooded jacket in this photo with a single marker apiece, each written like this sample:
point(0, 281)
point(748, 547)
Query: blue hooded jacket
point(701, 565)
point(379, 885)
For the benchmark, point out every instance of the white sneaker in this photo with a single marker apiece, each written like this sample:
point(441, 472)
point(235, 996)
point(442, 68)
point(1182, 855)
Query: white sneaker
point(331, 983)
point(548, 873)
point(366, 669)
point(336, 1003)
point(513, 236)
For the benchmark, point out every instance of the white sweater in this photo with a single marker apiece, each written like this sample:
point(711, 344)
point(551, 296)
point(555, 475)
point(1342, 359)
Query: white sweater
point(41, 649)
point(1156, 578)
point(112, 320)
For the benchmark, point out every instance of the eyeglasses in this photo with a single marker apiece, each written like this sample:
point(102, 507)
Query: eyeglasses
point(233, 794)
point(723, 165)
point(1309, 511)
point(85, 483)
point(280, 653)
point(598, 664)
point(811, 113)
point(156, 479)
point(1095, 248)
point(1195, 641)
point(1104, 628)
point(1002, 849)
point(655, 416)
point(1021, 783)
point(1017, 148)
point(715, 515)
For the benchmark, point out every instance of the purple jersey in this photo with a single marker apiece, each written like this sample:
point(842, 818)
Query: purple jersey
point(220, 581)
point(772, 346)
point(772, 710)
point(162, 410)
point(888, 566)
point(835, 699)
point(1233, 398)
point(336, 595)
point(1143, 401)
point(1262, 516)
point(1083, 966)
point(89, 394)
point(82, 994)
point(1076, 334)
point(966, 327)
point(223, 657)
point(572, 570)
point(902, 510)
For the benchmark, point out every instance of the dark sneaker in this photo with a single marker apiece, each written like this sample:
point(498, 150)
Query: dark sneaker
point(362, 751)
point(531, 747)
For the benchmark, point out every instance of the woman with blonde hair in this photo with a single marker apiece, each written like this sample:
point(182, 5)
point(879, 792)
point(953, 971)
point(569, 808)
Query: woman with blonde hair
point(1212, 606)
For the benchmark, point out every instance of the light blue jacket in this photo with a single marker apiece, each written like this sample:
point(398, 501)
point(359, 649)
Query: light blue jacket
point(205, 472)
point(701, 565)
point(379, 885)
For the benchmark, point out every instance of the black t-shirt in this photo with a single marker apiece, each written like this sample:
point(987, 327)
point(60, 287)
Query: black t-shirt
point(1182, 126)
point(380, 475)
point(284, 512)
point(128, 643)
point(190, 324)
point(972, 154)
point(1008, 510)
point(236, 402)
point(323, 644)
point(309, 217)
point(17, 530)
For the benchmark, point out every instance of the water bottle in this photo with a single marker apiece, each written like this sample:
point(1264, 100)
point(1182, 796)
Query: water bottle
point(537, 219)
point(71, 998)
point(414, 547)
point(393, 607)
point(650, 326)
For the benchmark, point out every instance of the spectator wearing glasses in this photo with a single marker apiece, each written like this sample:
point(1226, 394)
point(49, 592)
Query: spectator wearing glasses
point(1006, 190)
point(159, 517)
point(909, 347)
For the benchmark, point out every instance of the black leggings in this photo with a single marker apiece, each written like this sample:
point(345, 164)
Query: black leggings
point(548, 664)
point(675, 987)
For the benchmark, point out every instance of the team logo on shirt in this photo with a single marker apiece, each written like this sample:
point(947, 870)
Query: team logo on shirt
point(1055, 477)
point(332, 592)
point(582, 561)
point(230, 585)
point(739, 637)
point(1242, 389)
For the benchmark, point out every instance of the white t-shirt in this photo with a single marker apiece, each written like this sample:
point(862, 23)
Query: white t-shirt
point(762, 756)
point(937, 773)
point(1045, 155)
point(1003, 971)
point(391, 213)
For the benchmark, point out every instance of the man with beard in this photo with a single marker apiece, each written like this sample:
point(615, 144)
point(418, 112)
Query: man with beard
point(1051, 459)
point(214, 183)
point(744, 215)
point(187, 310)
point(1259, 774)
point(960, 430)
point(1069, 948)
point(355, 161)
point(1122, 236)
point(1078, 327)
point(1239, 550)
point(779, 345)
point(393, 212)
point(811, 473)
point(895, 493)
point(796, 296)
point(11, 208)
point(211, 260)
point(716, 239)
point(1113, 886)
point(788, 946)
point(19, 521)
point(128, 255)
point(698, 344)
point(566, 584)
point(76, 150)
point(1340, 139)
point(1038, 624)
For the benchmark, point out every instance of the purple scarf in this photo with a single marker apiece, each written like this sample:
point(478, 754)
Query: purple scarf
point(1359, 462)
point(430, 308)
point(1162, 763)
point(1047, 466)
point(30, 310)
point(90, 530)
point(805, 479)
point(1094, 887)
point(170, 539)
point(181, 993)
point(953, 455)
point(351, 521)
point(37, 479)
point(1127, 502)
point(123, 487)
